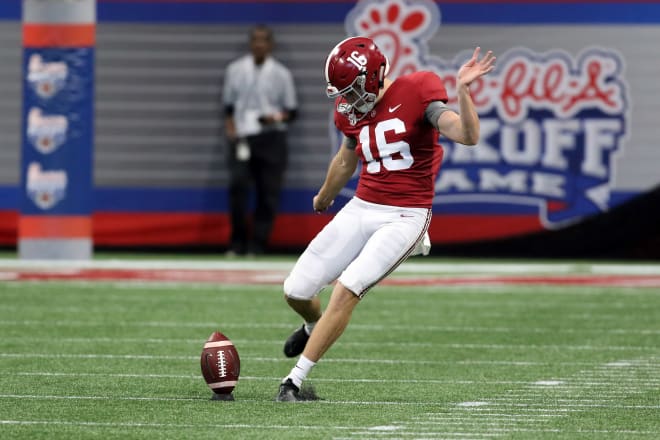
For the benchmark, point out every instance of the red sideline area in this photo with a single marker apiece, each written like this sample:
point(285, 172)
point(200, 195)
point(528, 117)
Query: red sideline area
point(271, 277)
point(112, 229)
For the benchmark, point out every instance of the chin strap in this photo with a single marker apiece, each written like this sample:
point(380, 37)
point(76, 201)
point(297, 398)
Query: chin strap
point(382, 72)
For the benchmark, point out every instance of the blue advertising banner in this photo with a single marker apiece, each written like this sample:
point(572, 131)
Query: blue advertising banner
point(58, 131)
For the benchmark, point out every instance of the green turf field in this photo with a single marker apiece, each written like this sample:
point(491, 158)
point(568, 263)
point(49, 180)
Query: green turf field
point(121, 360)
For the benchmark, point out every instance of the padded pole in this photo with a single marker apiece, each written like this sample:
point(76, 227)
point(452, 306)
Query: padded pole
point(55, 219)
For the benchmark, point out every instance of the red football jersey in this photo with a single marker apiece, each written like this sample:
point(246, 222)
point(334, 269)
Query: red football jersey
point(398, 147)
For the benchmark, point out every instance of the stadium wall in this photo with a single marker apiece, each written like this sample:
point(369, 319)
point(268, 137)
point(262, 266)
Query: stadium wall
point(160, 175)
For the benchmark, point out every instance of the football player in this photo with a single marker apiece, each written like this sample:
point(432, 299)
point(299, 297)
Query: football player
point(392, 127)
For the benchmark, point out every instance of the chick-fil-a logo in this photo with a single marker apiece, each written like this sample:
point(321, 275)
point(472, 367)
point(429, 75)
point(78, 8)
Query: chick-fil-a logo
point(46, 78)
point(551, 123)
point(46, 132)
point(46, 188)
point(526, 80)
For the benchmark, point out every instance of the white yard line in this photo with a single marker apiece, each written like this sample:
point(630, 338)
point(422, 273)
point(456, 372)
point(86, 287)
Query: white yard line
point(520, 407)
point(411, 266)
point(197, 377)
point(356, 326)
point(173, 264)
point(364, 344)
point(203, 399)
point(172, 425)
point(280, 359)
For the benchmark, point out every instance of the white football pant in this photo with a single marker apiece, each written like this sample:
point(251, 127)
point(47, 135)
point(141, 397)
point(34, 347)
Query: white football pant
point(361, 245)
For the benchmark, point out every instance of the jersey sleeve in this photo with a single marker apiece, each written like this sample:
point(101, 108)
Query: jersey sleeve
point(433, 112)
point(431, 88)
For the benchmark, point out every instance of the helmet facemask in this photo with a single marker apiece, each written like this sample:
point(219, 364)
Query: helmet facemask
point(356, 98)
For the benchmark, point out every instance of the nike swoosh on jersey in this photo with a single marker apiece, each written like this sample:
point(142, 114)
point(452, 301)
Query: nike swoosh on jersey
point(393, 109)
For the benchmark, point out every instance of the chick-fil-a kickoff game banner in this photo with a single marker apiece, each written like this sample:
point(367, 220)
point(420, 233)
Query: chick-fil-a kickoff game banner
point(551, 123)
point(57, 130)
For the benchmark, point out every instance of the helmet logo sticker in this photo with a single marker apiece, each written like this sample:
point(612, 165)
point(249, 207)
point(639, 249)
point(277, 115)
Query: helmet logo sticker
point(358, 60)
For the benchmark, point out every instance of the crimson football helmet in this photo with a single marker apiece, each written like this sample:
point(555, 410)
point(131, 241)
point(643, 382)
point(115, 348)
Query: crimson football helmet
point(355, 70)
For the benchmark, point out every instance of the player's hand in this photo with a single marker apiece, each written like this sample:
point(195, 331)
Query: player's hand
point(321, 204)
point(475, 67)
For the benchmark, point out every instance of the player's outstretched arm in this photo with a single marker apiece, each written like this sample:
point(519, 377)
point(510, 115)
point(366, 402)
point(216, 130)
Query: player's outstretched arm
point(464, 126)
point(340, 171)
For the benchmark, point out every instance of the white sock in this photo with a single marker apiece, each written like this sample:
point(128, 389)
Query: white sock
point(300, 371)
point(309, 326)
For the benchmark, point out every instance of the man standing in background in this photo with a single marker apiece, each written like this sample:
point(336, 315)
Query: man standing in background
point(259, 102)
